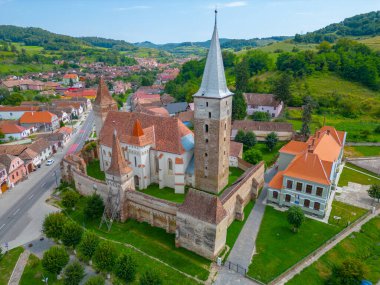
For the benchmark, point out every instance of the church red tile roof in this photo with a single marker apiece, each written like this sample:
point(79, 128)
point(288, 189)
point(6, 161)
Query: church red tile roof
point(103, 96)
point(118, 164)
point(137, 129)
point(164, 133)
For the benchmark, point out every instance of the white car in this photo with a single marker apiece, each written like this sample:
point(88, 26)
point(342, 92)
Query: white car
point(49, 162)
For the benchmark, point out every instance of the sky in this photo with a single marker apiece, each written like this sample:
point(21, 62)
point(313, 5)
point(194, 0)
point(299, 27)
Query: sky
point(163, 21)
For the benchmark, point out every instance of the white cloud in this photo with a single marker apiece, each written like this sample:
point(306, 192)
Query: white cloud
point(139, 7)
point(235, 4)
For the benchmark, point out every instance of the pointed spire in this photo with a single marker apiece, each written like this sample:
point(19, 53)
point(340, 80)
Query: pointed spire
point(137, 129)
point(214, 80)
point(118, 164)
point(103, 95)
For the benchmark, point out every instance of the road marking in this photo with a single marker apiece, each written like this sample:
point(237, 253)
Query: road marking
point(16, 211)
point(31, 196)
point(2, 226)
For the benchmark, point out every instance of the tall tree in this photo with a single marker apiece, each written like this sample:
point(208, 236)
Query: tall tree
point(55, 259)
point(53, 225)
point(350, 272)
point(239, 107)
point(281, 88)
point(307, 112)
point(374, 192)
point(249, 139)
point(295, 217)
point(240, 136)
point(71, 234)
point(242, 76)
point(271, 140)
point(105, 257)
point(88, 245)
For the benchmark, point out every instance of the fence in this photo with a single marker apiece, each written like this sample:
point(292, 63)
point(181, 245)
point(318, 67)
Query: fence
point(236, 267)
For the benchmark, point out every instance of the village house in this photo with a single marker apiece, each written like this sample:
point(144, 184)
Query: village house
point(284, 131)
point(14, 167)
point(43, 148)
point(236, 153)
point(89, 93)
point(14, 132)
point(43, 120)
point(307, 171)
point(176, 108)
point(263, 103)
point(31, 159)
point(15, 112)
point(3, 178)
point(70, 78)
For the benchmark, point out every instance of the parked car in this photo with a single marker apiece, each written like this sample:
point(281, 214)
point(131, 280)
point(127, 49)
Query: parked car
point(49, 162)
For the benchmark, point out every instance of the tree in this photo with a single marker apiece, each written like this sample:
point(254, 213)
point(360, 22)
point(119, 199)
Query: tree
point(281, 88)
point(150, 277)
point(307, 112)
point(241, 76)
point(61, 124)
point(88, 245)
point(253, 156)
point(295, 217)
point(95, 280)
point(271, 140)
point(73, 273)
point(105, 256)
point(94, 207)
point(71, 234)
point(374, 192)
point(350, 272)
point(53, 225)
point(71, 82)
point(4, 93)
point(249, 139)
point(55, 259)
point(261, 116)
point(125, 268)
point(70, 199)
point(239, 107)
point(240, 136)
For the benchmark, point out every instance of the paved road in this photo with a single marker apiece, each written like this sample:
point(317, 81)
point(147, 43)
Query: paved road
point(14, 212)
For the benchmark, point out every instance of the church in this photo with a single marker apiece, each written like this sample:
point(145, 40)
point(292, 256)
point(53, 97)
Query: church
point(137, 149)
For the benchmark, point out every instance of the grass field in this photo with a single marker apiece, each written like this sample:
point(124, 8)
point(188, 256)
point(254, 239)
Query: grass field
point(93, 170)
point(235, 173)
point(165, 193)
point(359, 151)
point(33, 273)
point(278, 247)
point(7, 263)
point(347, 213)
point(363, 245)
point(151, 240)
point(349, 175)
point(372, 42)
point(269, 156)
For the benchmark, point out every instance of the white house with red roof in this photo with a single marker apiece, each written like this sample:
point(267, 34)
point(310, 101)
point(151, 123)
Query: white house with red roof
point(308, 171)
point(14, 132)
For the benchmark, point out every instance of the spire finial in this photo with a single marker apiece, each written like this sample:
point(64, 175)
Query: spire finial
point(216, 14)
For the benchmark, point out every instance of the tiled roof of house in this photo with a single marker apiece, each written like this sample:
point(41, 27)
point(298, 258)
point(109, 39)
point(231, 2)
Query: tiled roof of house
point(166, 99)
point(277, 180)
point(294, 147)
point(18, 108)
point(65, 130)
point(15, 149)
point(37, 117)
point(249, 125)
point(236, 149)
point(203, 206)
point(11, 129)
point(39, 145)
point(28, 154)
point(187, 116)
point(164, 133)
point(118, 164)
point(70, 75)
point(6, 160)
point(255, 100)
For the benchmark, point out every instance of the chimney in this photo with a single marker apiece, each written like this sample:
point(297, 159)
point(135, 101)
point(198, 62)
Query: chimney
point(328, 132)
point(310, 148)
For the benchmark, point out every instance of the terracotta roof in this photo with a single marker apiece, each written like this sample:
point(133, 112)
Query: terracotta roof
point(249, 125)
point(137, 129)
point(66, 130)
point(6, 160)
point(164, 133)
point(39, 145)
point(103, 96)
point(18, 108)
point(277, 180)
point(11, 129)
point(28, 154)
point(187, 116)
point(255, 100)
point(37, 117)
point(118, 165)
point(203, 206)
point(90, 93)
point(15, 149)
point(70, 75)
point(166, 99)
point(236, 149)
point(294, 147)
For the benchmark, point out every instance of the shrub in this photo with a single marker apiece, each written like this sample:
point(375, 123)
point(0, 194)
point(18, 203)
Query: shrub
point(295, 217)
point(73, 274)
point(94, 207)
point(150, 278)
point(55, 259)
point(249, 139)
point(71, 234)
point(53, 225)
point(377, 129)
point(105, 256)
point(125, 268)
point(88, 245)
point(271, 140)
point(95, 280)
point(70, 199)
point(350, 272)
point(253, 156)
point(261, 116)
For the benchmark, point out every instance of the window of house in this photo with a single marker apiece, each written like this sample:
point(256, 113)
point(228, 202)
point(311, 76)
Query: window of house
point(206, 128)
point(157, 165)
point(275, 195)
point(209, 114)
point(287, 198)
point(170, 165)
point(289, 184)
point(309, 188)
point(206, 154)
point(306, 203)
point(206, 104)
point(319, 191)
point(135, 161)
point(299, 186)
point(206, 140)
point(317, 205)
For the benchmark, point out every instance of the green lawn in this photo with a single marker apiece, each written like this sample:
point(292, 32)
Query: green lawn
point(278, 247)
point(363, 245)
point(269, 157)
point(93, 170)
point(235, 228)
point(7, 263)
point(165, 193)
point(346, 212)
point(151, 240)
point(349, 175)
point(358, 151)
point(33, 273)
point(235, 173)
